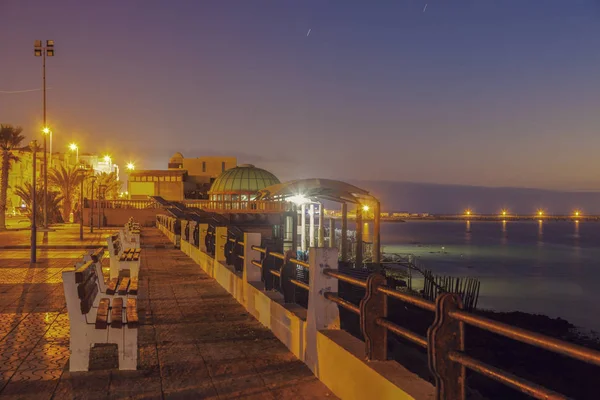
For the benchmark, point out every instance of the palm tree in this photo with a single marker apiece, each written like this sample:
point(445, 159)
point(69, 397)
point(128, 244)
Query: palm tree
point(112, 184)
point(10, 139)
point(54, 200)
point(66, 180)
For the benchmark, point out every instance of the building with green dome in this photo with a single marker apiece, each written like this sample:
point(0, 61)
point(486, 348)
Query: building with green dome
point(241, 183)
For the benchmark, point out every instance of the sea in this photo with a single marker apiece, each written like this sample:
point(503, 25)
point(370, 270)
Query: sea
point(539, 267)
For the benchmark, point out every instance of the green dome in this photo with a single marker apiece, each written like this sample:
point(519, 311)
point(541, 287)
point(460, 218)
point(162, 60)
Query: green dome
point(243, 179)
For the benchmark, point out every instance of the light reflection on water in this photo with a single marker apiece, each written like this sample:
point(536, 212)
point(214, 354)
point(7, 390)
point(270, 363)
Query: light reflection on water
point(545, 267)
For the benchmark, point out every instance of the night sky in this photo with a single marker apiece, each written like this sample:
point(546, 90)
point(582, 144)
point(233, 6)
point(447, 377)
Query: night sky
point(482, 92)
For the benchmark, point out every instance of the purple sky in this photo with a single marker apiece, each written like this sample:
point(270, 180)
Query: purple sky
point(480, 92)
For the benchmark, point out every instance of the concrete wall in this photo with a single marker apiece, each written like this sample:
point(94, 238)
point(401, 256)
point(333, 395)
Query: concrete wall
point(120, 216)
point(334, 356)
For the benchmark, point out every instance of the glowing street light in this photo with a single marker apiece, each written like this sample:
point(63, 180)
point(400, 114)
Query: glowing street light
point(298, 199)
point(365, 208)
point(130, 166)
point(107, 159)
point(467, 212)
point(577, 213)
point(504, 213)
point(73, 147)
point(540, 213)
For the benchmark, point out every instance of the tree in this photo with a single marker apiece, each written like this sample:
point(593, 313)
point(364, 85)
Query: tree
point(67, 181)
point(10, 139)
point(54, 201)
point(112, 184)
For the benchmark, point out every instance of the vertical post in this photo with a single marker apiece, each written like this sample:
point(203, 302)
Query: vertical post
point(34, 205)
point(303, 227)
point(321, 313)
point(344, 237)
point(372, 307)
point(295, 231)
point(321, 235)
point(444, 336)
point(252, 273)
point(203, 230)
point(81, 209)
point(359, 237)
point(331, 232)
point(311, 226)
point(45, 148)
point(92, 207)
point(220, 242)
point(376, 250)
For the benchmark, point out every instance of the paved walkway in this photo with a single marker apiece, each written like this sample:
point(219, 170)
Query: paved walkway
point(61, 236)
point(195, 341)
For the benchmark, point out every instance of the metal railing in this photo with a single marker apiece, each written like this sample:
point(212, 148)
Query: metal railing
point(119, 204)
point(246, 206)
point(283, 273)
point(445, 340)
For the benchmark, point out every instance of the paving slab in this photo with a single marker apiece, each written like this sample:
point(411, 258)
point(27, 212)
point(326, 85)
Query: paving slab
point(195, 341)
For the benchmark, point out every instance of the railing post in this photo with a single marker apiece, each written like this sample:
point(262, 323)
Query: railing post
point(321, 313)
point(191, 233)
point(445, 335)
point(220, 231)
point(267, 263)
point(373, 306)
point(251, 273)
point(203, 229)
point(287, 272)
point(184, 230)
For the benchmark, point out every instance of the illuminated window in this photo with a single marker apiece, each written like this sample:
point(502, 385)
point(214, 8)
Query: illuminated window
point(161, 178)
point(143, 179)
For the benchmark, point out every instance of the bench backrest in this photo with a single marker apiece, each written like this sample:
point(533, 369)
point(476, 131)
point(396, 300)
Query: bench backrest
point(86, 279)
point(114, 244)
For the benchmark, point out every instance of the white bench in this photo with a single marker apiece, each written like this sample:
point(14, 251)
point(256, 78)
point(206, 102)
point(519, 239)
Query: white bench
point(123, 259)
point(95, 318)
point(122, 286)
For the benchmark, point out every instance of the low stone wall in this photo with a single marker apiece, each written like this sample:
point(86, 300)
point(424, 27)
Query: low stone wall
point(120, 216)
point(334, 356)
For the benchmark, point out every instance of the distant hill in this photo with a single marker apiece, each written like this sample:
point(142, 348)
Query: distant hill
point(453, 199)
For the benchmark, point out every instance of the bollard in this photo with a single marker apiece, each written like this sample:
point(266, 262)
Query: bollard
point(446, 335)
point(373, 306)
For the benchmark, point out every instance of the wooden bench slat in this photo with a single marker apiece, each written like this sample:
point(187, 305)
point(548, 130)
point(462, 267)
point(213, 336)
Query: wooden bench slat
point(87, 303)
point(83, 289)
point(132, 313)
point(133, 286)
point(116, 313)
point(83, 273)
point(123, 285)
point(97, 254)
point(111, 286)
point(102, 315)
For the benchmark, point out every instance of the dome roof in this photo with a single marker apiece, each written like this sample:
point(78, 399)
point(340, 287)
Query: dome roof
point(243, 179)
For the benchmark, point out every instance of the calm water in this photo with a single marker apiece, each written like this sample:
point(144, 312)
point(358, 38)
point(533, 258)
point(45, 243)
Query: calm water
point(550, 268)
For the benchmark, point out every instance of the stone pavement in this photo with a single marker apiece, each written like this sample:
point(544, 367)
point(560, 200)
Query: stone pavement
point(195, 340)
point(61, 236)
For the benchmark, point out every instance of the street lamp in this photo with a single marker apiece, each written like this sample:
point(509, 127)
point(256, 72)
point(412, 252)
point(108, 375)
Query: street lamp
point(130, 166)
point(73, 147)
point(82, 169)
point(33, 147)
point(42, 51)
point(365, 208)
point(93, 179)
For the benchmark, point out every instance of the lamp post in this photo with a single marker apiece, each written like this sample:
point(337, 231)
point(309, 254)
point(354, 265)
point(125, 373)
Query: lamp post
point(83, 169)
point(93, 178)
point(73, 147)
point(101, 193)
point(42, 51)
point(33, 146)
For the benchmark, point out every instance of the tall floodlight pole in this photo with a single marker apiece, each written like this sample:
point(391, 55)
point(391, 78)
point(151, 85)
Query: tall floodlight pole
point(43, 51)
point(93, 178)
point(33, 146)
